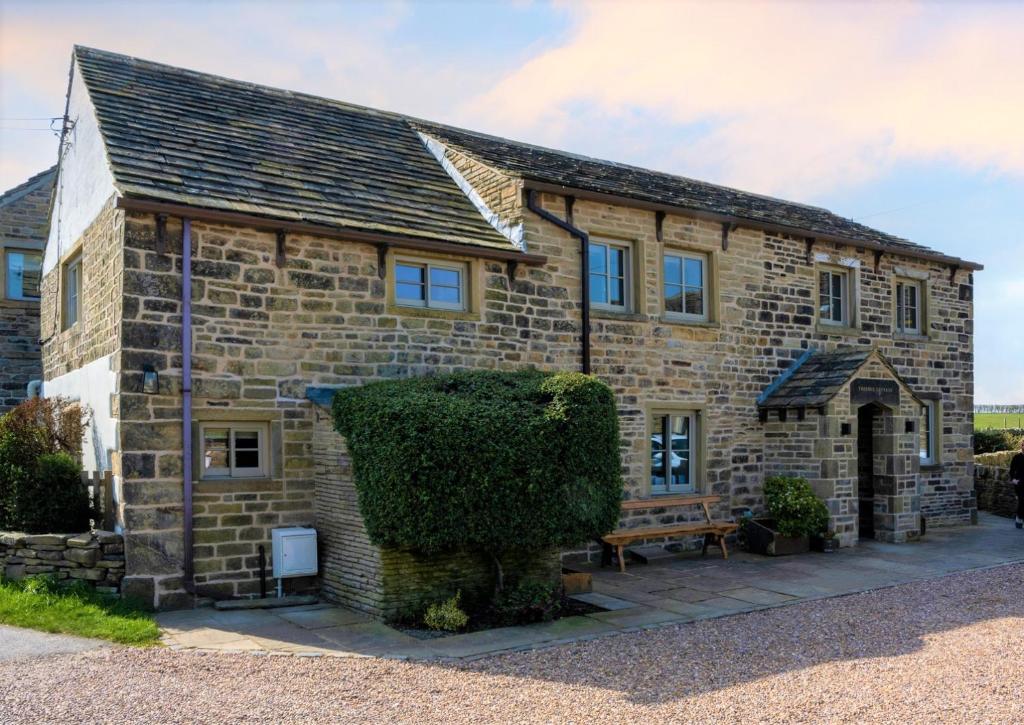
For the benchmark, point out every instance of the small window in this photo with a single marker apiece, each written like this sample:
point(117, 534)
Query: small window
point(72, 291)
point(233, 450)
point(437, 285)
point(685, 285)
point(609, 276)
point(834, 297)
point(24, 274)
point(674, 452)
point(929, 436)
point(908, 308)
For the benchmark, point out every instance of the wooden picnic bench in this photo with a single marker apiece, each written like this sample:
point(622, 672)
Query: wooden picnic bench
point(714, 531)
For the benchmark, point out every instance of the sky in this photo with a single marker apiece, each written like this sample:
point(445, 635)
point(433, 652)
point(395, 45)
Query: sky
point(905, 116)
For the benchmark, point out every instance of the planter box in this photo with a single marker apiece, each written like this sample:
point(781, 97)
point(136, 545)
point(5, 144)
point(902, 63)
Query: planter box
point(763, 539)
point(574, 582)
point(826, 546)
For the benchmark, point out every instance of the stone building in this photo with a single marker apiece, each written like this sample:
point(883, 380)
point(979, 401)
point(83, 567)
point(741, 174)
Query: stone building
point(228, 253)
point(24, 220)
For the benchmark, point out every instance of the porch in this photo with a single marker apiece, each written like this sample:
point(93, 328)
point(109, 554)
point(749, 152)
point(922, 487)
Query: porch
point(680, 589)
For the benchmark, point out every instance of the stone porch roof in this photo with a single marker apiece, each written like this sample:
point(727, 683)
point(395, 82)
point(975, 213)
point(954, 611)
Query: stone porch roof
point(816, 377)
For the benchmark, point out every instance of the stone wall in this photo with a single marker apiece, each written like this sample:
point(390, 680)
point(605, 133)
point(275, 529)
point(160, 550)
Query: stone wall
point(992, 483)
point(96, 557)
point(389, 583)
point(24, 222)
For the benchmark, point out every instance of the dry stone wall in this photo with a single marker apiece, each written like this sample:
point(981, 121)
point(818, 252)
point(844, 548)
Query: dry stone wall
point(95, 557)
point(992, 483)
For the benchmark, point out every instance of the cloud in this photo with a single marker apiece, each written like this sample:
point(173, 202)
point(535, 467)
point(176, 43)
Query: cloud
point(792, 99)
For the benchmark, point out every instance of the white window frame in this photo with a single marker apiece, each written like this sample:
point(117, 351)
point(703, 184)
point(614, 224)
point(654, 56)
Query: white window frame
point(71, 291)
point(7, 273)
point(845, 298)
point(704, 259)
point(427, 302)
point(902, 287)
point(627, 274)
point(231, 470)
point(929, 423)
point(694, 435)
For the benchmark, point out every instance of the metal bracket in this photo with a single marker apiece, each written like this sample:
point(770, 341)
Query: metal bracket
point(801, 413)
point(782, 415)
point(382, 260)
point(161, 234)
point(878, 259)
point(810, 249)
point(570, 202)
point(726, 228)
point(952, 273)
point(659, 221)
point(510, 270)
point(281, 237)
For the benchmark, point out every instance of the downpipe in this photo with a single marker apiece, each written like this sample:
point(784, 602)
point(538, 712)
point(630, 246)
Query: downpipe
point(532, 203)
point(186, 400)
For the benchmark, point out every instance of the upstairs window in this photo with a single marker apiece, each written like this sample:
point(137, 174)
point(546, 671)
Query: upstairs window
point(234, 450)
point(673, 452)
point(834, 297)
point(23, 270)
point(609, 276)
point(685, 286)
point(909, 317)
point(435, 285)
point(71, 291)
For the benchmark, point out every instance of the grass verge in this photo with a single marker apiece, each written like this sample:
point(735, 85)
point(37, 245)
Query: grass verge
point(41, 603)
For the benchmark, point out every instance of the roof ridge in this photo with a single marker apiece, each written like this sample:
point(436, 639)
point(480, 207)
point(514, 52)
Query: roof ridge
point(27, 186)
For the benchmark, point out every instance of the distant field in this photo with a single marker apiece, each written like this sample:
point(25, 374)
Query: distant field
point(985, 421)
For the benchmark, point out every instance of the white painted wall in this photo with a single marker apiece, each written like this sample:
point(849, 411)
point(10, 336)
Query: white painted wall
point(92, 385)
point(85, 182)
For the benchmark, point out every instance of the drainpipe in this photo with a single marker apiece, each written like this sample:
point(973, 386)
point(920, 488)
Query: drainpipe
point(533, 205)
point(186, 396)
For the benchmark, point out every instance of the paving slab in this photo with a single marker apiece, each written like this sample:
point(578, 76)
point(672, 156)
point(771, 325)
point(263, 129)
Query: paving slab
point(604, 601)
point(323, 618)
point(638, 617)
point(753, 595)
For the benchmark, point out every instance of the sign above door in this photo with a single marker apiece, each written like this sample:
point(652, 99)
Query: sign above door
point(886, 392)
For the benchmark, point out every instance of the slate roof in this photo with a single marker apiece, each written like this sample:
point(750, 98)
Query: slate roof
point(180, 136)
point(814, 379)
point(608, 177)
point(39, 181)
point(184, 137)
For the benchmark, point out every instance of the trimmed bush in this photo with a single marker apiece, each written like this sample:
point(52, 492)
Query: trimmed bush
point(446, 616)
point(528, 602)
point(484, 460)
point(795, 508)
point(55, 499)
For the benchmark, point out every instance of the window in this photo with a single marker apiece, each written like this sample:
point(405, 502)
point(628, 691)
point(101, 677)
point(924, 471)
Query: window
point(834, 298)
point(909, 317)
point(674, 452)
point(232, 450)
point(929, 433)
point(438, 285)
point(72, 291)
point(609, 276)
point(685, 285)
point(24, 273)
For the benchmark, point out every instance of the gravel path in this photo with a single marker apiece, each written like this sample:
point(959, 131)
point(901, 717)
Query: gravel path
point(950, 649)
point(17, 643)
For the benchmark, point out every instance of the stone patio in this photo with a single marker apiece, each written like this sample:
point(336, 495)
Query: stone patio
point(680, 589)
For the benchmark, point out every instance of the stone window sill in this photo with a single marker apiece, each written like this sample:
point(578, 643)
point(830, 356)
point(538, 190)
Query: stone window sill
point(602, 314)
point(839, 330)
point(908, 337)
point(19, 304)
point(932, 467)
point(432, 313)
point(237, 485)
point(683, 322)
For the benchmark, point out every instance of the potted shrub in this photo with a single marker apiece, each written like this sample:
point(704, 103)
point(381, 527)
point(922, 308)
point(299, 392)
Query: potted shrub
point(795, 514)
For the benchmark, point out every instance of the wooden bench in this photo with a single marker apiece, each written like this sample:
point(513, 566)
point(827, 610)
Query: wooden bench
point(714, 531)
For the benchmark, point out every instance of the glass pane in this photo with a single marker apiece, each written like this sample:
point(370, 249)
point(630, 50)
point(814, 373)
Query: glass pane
point(247, 459)
point(409, 273)
point(247, 439)
point(217, 437)
point(911, 306)
point(405, 291)
point(658, 425)
point(618, 294)
point(447, 295)
point(215, 458)
point(599, 289)
point(616, 261)
point(673, 270)
point(445, 277)
point(694, 301)
point(680, 451)
point(694, 273)
point(673, 298)
point(837, 286)
point(32, 275)
point(824, 298)
point(597, 258)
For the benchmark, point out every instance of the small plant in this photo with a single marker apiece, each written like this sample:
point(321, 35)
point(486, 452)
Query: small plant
point(527, 602)
point(446, 616)
point(795, 508)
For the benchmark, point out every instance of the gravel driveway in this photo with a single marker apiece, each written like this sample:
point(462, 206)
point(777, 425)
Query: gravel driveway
point(947, 649)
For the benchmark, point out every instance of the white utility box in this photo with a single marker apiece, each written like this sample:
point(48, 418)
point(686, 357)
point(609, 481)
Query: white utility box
point(293, 552)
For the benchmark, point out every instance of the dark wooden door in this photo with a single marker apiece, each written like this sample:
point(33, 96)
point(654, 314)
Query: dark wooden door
point(866, 471)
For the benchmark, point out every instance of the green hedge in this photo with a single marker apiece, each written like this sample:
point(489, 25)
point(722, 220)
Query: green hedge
point(994, 441)
point(484, 460)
